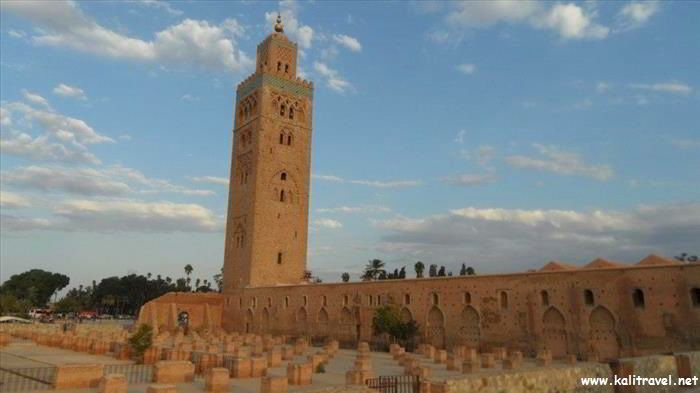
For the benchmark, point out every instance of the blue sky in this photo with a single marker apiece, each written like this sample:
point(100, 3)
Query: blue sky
point(501, 134)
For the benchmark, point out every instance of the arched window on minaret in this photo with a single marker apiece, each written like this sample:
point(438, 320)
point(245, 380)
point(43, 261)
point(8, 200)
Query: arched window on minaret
point(286, 68)
point(282, 196)
point(279, 66)
point(289, 140)
point(283, 176)
point(291, 113)
point(283, 108)
point(281, 139)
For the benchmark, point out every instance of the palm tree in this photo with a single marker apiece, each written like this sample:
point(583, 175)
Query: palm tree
point(196, 283)
point(188, 269)
point(168, 280)
point(373, 269)
point(419, 266)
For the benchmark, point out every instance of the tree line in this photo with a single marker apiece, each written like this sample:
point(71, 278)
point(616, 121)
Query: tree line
point(375, 270)
point(111, 295)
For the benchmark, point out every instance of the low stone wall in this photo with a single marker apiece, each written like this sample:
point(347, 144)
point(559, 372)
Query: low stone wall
point(659, 366)
point(345, 389)
point(554, 379)
point(78, 376)
point(173, 371)
point(688, 364)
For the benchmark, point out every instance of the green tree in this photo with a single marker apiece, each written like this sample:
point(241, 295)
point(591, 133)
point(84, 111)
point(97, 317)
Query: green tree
point(387, 320)
point(432, 272)
point(374, 268)
point(219, 280)
point(419, 267)
point(67, 304)
point(402, 272)
point(345, 277)
point(463, 270)
point(470, 271)
point(441, 272)
point(36, 286)
point(141, 341)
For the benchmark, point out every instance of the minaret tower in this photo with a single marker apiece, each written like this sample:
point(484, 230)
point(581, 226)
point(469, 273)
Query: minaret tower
point(268, 208)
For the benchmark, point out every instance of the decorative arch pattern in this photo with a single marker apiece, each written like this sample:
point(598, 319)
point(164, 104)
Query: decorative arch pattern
point(249, 321)
point(323, 321)
point(406, 315)
point(247, 107)
point(470, 327)
point(289, 108)
point(603, 336)
point(283, 188)
point(554, 331)
point(436, 327)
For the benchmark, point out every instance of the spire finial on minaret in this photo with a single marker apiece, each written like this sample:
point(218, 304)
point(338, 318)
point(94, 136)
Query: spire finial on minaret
point(279, 27)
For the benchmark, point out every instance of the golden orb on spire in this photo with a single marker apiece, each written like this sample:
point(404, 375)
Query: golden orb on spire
point(279, 27)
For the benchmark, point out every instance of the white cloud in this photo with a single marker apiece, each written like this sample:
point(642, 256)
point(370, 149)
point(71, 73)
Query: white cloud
point(5, 117)
point(42, 149)
point(489, 237)
point(562, 162)
point(210, 179)
point(331, 178)
point(328, 223)
point(16, 33)
point(472, 179)
point(188, 97)
point(371, 183)
point(293, 27)
point(120, 216)
point(466, 68)
point(602, 87)
point(58, 125)
point(333, 79)
point(35, 98)
point(486, 13)
point(10, 200)
point(191, 42)
point(355, 209)
point(349, 42)
point(69, 91)
point(161, 4)
point(111, 181)
point(482, 155)
point(686, 143)
point(70, 180)
point(665, 87)
point(636, 13)
point(16, 224)
point(572, 22)
point(460, 136)
point(387, 184)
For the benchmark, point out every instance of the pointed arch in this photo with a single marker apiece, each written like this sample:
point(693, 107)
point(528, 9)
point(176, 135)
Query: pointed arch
point(348, 329)
point(470, 327)
point(302, 320)
point(323, 321)
point(249, 321)
point(554, 331)
point(603, 336)
point(436, 327)
point(405, 315)
point(265, 320)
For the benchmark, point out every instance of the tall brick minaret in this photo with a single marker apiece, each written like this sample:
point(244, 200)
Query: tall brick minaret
point(268, 209)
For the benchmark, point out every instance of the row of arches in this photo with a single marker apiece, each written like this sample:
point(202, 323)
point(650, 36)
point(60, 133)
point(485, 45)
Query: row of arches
point(603, 337)
point(247, 108)
point(288, 109)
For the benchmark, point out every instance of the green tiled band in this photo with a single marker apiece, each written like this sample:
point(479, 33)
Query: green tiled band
point(284, 84)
